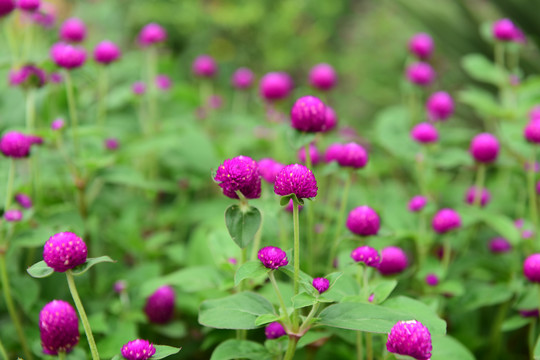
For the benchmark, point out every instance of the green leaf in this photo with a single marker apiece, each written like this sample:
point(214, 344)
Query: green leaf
point(238, 311)
point(481, 295)
point(382, 290)
point(503, 225)
point(303, 299)
point(242, 224)
point(174, 330)
point(90, 262)
point(480, 68)
point(39, 270)
point(514, 323)
point(446, 347)
point(162, 351)
point(266, 319)
point(311, 337)
point(391, 128)
point(249, 270)
point(419, 311)
point(299, 139)
point(240, 349)
point(482, 101)
point(284, 200)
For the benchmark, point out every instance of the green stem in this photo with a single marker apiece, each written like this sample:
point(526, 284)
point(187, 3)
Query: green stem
point(359, 346)
point(82, 314)
point(420, 247)
point(241, 262)
point(446, 253)
point(151, 70)
point(369, 346)
point(28, 41)
point(289, 355)
point(102, 95)
point(341, 217)
point(280, 297)
point(72, 111)
point(9, 189)
point(310, 316)
point(30, 110)
point(11, 306)
point(257, 241)
point(479, 185)
point(496, 330)
point(532, 194)
point(311, 218)
point(12, 44)
point(61, 355)
point(499, 54)
point(3, 351)
point(296, 222)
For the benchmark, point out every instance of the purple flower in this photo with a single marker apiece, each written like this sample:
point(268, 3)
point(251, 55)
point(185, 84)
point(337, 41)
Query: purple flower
point(232, 261)
point(534, 113)
point(151, 34)
point(272, 257)
point(352, 155)
point(59, 327)
point(58, 124)
point(138, 350)
point(367, 255)
point(432, 279)
point(529, 313)
point(28, 5)
point(45, 16)
point(275, 86)
point(322, 77)
point(519, 223)
point(23, 200)
point(532, 132)
point(64, 251)
point(499, 245)
point(332, 152)
point(159, 306)
point(410, 338)
point(13, 215)
point(503, 30)
point(330, 119)
point(120, 286)
point(446, 220)
point(417, 203)
point(269, 168)
point(420, 73)
point(73, 30)
point(138, 88)
point(215, 101)
point(296, 179)
point(67, 56)
point(314, 154)
point(29, 76)
point(371, 297)
point(440, 106)
point(321, 284)
point(6, 7)
point(308, 114)
point(527, 234)
point(15, 145)
point(111, 144)
point(204, 66)
point(274, 330)
point(106, 52)
point(472, 193)
point(239, 174)
point(421, 45)
point(393, 260)
point(531, 268)
point(484, 148)
point(242, 78)
point(163, 82)
point(363, 221)
point(424, 133)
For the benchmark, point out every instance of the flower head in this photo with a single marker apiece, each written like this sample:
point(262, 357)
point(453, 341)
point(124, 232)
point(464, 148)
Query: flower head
point(45, 16)
point(120, 286)
point(269, 168)
point(425, 133)
point(321, 284)
point(6, 7)
point(24, 200)
point(163, 82)
point(242, 78)
point(367, 255)
point(499, 245)
point(333, 152)
point(446, 220)
point(417, 203)
point(484, 148)
point(28, 5)
point(275, 86)
point(532, 132)
point(330, 119)
point(73, 30)
point(15, 145)
point(420, 73)
point(363, 221)
point(531, 268)
point(274, 330)
point(432, 279)
point(159, 306)
point(421, 45)
point(106, 52)
point(152, 34)
point(138, 350)
point(472, 193)
point(13, 215)
point(29, 76)
point(314, 154)
point(352, 155)
point(64, 251)
point(410, 338)
point(58, 124)
point(138, 88)
point(308, 114)
point(296, 179)
point(393, 260)
point(59, 327)
point(440, 106)
point(272, 257)
point(503, 30)
point(111, 144)
point(68, 56)
point(239, 174)
point(323, 77)
point(204, 66)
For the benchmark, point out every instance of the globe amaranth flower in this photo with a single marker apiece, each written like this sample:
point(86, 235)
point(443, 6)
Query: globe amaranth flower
point(274, 330)
point(73, 30)
point(64, 251)
point(363, 221)
point(308, 114)
point(68, 56)
point(15, 145)
point(424, 133)
point(432, 279)
point(59, 327)
point(151, 34)
point(163, 82)
point(499, 245)
point(29, 76)
point(272, 257)
point(314, 154)
point(138, 88)
point(484, 148)
point(323, 77)
point(106, 52)
point(239, 174)
point(28, 5)
point(330, 119)
point(472, 194)
point(532, 132)
point(13, 215)
point(138, 349)
point(421, 45)
point(410, 338)
point(446, 220)
point(366, 255)
point(352, 155)
point(159, 306)
point(204, 66)
point(269, 168)
point(46, 16)
point(531, 268)
point(503, 30)
point(420, 73)
point(332, 152)
point(321, 284)
point(275, 86)
point(242, 78)
point(111, 144)
point(393, 260)
point(296, 179)
point(6, 7)
point(417, 203)
point(440, 106)
point(24, 200)
point(120, 286)
point(58, 124)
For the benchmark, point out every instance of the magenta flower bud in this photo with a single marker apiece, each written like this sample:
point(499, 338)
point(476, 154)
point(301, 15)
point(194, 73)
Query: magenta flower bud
point(308, 114)
point(215, 101)
point(106, 52)
point(239, 174)
point(6, 7)
point(424, 133)
point(499, 245)
point(163, 82)
point(242, 78)
point(321, 284)
point(352, 155)
point(529, 313)
point(151, 34)
point(314, 154)
point(330, 120)
point(58, 124)
point(332, 153)
point(296, 179)
point(272, 257)
point(531, 268)
point(432, 279)
point(275, 86)
point(13, 215)
point(269, 168)
point(73, 30)
point(232, 261)
point(440, 106)
point(484, 148)
point(446, 220)
point(417, 203)
point(527, 234)
point(28, 5)
point(322, 77)
point(56, 78)
point(290, 206)
point(204, 66)
point(519, 223)
point(371, 298)
point(138, 350)
point(15, 145)
point(23, 200)
point(111, 144)
point(46, 16)
point(120, 286)
point(64, 251)
point(363, 221)
point(393, 260)
point(472, 193)
point(410, 338)
point(159, 306)
point(503, 30)
point(420, 73)
point(67, 56)
point(29, 76)
point(138, 88)
point(58, 327)
point(274, 330)
point(421, 45)
point(367, 255)
point(532, 132)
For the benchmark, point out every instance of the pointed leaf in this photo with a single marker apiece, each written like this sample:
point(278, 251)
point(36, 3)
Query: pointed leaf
point(39, 270)
point(266, 319)
point(242, 224)
point(240, 349)
point(249, 270)
point(90, 262)
point(162, 351)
